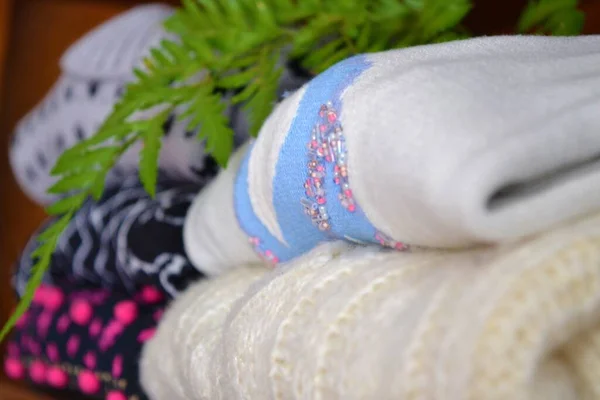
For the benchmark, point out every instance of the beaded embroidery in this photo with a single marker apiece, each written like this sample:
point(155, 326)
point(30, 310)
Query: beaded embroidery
point(266, 255)
point(328, 145)
point(387, 241)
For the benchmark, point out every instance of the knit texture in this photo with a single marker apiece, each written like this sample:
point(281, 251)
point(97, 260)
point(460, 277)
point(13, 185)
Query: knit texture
point(518, 321)
point(487, 140)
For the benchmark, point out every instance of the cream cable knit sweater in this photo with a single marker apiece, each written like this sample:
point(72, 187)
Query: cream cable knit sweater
point(514, 322)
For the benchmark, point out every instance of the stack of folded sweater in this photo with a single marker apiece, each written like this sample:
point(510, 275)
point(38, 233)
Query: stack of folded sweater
point(122, 258)
point(434, 211)
point(479, 160)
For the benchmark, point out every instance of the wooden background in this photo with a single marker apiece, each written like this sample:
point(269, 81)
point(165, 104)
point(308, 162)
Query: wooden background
point(34, 34)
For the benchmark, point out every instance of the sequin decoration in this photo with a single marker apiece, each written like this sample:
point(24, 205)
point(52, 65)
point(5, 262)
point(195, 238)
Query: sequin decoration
point(266, 255)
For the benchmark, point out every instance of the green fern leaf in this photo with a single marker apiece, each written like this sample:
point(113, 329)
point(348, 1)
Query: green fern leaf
point(78, 181)
point(44, 254)
point(66, 204)
point(150, 152)
point(99, 157)
point(558, 17)
point(237, 80)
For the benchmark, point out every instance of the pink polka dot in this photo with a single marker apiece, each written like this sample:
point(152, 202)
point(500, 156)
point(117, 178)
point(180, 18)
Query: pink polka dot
point(52, 352)
point(63, 323)
point(88, 382)
point(39, 297)
point(90, 360)
point(151, 295)
point(146, 335)
point(14, 368)
point(95, 327)
point(43, 323)
point(73, 345)
point(25, 342)
point(81, 312)
point(114, 395)
point(113, 328)
point(117, 366)
point(37, 372)
point(54, 298)
point(34, 347)
point(12, 349)
point(126, 311)
point(57, 378)
point(22, 321)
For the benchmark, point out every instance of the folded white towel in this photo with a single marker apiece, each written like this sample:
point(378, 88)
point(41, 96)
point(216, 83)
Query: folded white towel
point(519, 322)
point(450, 145)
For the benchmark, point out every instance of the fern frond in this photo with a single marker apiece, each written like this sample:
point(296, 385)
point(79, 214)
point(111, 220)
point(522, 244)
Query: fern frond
point(44, 255)
point(556, 17)
point(149, 154)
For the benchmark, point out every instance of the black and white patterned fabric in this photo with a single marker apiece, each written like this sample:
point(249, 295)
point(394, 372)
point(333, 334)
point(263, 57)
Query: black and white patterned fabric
point(123, 242)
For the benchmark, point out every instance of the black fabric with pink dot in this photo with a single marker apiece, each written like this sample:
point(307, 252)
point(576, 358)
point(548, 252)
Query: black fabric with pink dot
point(87, 341)
point(115, 268)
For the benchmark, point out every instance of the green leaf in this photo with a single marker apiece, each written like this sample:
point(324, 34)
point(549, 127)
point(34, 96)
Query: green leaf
point(440, 16)
point(44, 254)
point(67, 204)
point(150, 152)
point(97, 188)
point(98, 157)
point(55, 229)
point(78, 181)
point(238, 79)
point(161, 59)
point(324, 52)
point(552, 16)
point(260, 105)
point(246, 93)
point(566, 23)
point(175, 50)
